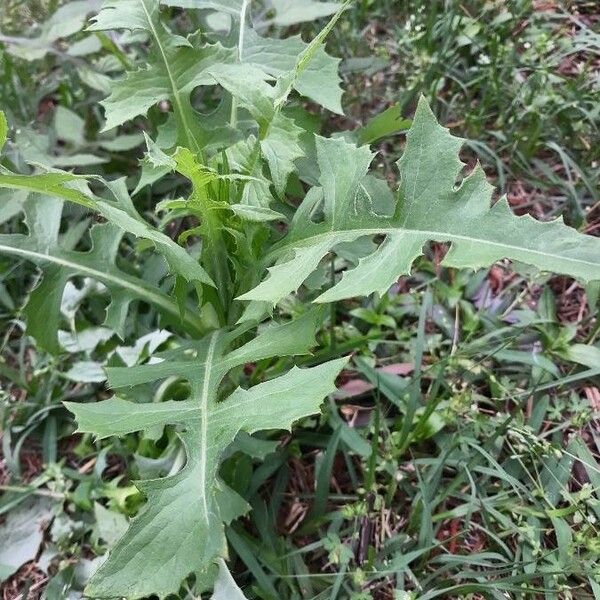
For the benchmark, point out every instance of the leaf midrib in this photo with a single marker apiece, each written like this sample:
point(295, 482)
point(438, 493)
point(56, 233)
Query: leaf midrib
point(174, 88)
point(430, 234)
point(204, 398)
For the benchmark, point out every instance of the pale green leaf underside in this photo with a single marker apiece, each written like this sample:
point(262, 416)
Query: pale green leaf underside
point(225, 586)
point(320, 81)
point(429, 208)
point(180, 530)
point(291, 12)
point(231, 7)
point(281, 147)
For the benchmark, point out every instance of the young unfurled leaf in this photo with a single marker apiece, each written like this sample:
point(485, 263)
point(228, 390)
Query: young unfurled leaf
point(429, 208)
point(281, 147)
point(180, 530)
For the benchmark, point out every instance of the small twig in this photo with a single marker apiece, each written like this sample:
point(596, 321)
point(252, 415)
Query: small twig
point(87, 466)
point(34, 587)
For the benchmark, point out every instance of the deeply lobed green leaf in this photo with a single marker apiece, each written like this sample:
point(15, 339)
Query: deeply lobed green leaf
point(429, 208)
point(60, 262)
point(180, 530)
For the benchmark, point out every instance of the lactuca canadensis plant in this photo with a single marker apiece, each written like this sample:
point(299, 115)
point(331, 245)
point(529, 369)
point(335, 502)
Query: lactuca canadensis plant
point(245, 163)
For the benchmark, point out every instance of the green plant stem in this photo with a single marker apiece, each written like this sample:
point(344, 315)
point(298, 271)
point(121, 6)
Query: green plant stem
point(110, 46)
point(372, 462)
point(214, 252)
